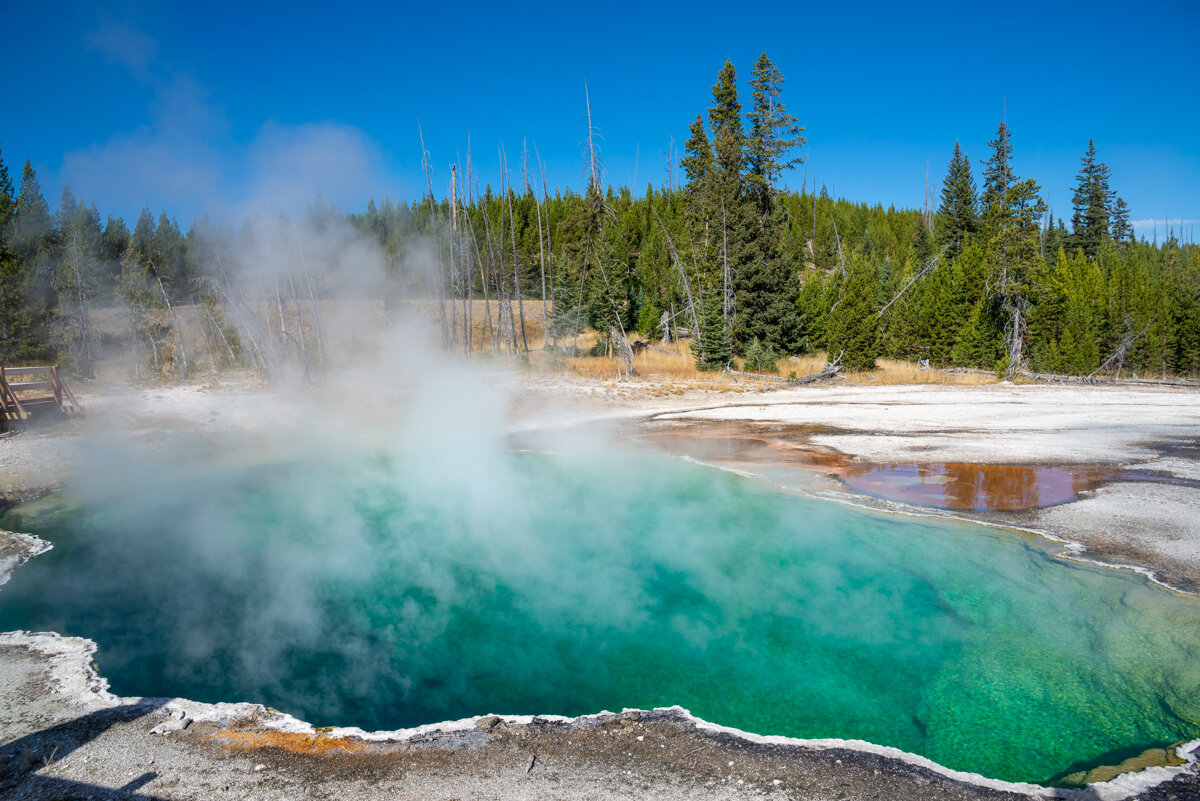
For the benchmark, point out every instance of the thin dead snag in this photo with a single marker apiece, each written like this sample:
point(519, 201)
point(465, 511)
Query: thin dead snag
point(928, 268)
point(546, 197)
point(1118, 355)
point(179, 338)
point(623, 353)
point(541, 251)
point(441, 291)
point(687, 287)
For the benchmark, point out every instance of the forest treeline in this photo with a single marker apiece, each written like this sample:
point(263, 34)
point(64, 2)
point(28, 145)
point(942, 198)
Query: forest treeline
point(985, 277)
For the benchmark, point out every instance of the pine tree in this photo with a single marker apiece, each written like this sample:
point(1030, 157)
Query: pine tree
point(8, 201)
point(13, 314)
point(700, 190)
point(31, 236)
point(75, 283)
point(725, 119)
point(774, 133)
point(998, 174)
point(957, 216)
point(1017, 251)
point(852, 330)
point(1092, 201)
point(697, 162)
point(1122, 230)
point(32, 223)
point(712, 349)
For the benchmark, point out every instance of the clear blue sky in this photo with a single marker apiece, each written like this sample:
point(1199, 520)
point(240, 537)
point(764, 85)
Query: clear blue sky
point(235, 108)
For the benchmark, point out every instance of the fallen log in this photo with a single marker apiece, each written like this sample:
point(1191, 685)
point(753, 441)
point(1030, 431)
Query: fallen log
point(1095, 380)
point(831, 370)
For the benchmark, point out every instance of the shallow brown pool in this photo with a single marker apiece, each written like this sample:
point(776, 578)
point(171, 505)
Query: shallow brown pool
point(988, 487)
point(975, 486)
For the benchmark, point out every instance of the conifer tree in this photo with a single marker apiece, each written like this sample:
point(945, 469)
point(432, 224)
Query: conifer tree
point(31, 236)
point(698, 166)
point(998, 175)
point(1122, 230)
point(957, 216)
point(13, 314)
point(852, 328)
point(774, 134)
point(1017, 246)
point(32, 223)
point(75, 282)
point(725, 119)
point(1092, 201)
point(712, 349)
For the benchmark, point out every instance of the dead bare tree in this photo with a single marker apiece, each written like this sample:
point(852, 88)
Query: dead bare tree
point(682, 273)
point(928, 268)
point(833, 216)
point(506, 184)
point(180, 339)
point(437, 246)
point(541, 249)
point(546, 198)
point(1118, 355)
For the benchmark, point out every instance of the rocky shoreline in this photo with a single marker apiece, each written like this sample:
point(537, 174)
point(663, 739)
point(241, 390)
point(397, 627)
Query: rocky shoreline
point(67, 736)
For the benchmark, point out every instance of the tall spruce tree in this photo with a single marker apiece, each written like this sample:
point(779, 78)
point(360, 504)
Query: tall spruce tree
point(958, 215)
point(700, 189)
point(13, 314)
point(1092, 201)
point(31, 228)
point(32, 237)
point(1017, 252)
point(1122, 229)
point(774, 134)
point(997, 173)
point(75, 282)
point(712, 348)
point(725, 119)
point(731, 230)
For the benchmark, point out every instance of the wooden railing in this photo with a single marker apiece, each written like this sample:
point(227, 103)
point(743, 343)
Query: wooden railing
point(44, 389)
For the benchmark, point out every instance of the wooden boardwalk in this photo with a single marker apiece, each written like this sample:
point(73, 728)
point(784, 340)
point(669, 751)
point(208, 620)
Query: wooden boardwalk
point(39, 390)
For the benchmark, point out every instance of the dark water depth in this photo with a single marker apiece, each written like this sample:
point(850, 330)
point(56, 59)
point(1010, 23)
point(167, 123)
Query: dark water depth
point(389, 591)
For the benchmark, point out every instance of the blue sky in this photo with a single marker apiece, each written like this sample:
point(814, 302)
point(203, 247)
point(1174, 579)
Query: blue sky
point(235, 109)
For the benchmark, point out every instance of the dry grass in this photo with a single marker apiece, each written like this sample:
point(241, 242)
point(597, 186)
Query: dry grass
point(680, 365)
point(480, 312)
point(890, 372)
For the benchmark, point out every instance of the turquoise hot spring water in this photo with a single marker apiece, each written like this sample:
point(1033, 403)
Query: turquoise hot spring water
point(388, 588)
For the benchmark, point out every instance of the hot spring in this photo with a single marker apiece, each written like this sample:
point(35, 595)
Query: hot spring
point(390, 587)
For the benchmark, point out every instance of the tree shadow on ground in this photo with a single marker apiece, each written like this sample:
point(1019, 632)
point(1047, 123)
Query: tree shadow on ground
point(22, 760)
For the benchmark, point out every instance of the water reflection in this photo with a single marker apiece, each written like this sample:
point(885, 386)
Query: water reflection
point(975, 486)
point(786, 452)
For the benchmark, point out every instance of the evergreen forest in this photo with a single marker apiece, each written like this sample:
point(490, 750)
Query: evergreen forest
point(983, 276)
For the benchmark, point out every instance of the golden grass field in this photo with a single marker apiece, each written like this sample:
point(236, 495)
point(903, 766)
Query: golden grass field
point(348, 322)
point(680, 365)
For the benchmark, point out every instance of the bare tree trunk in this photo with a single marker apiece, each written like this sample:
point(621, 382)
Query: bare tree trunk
point(546, 197)
point(682, 273)
point(725, 269)
point(513, 231)
point(179, 338)
point(228, 349)
point(302, 344)
point(489, 274)
point(833, 216)
point(441, 290)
